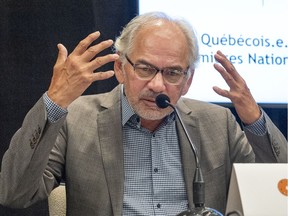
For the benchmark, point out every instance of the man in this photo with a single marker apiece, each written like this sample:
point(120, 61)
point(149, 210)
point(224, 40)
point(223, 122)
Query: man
point(120, 154)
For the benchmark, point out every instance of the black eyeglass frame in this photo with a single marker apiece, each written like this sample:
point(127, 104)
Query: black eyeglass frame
point(185, 72)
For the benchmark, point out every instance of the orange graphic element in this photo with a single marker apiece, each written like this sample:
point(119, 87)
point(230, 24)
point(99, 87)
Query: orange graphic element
point(283, 186)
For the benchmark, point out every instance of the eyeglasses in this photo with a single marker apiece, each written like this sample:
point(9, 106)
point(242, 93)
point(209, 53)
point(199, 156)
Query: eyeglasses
point(148, 72)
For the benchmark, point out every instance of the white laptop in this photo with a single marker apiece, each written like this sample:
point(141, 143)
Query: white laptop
point(258, 190)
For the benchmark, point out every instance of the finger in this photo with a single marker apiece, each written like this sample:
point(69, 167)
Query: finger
point(101, 75)
point(85, 43)
point(229, 67)
point(94, 50)
point(221, 58)
point(226, 76)
point(102, 60)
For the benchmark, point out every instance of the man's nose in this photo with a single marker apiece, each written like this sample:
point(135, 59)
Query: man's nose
point(157, 83)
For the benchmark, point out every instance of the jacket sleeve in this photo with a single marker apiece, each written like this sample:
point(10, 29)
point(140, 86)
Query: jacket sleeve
point(25, 178)
point(271, 147)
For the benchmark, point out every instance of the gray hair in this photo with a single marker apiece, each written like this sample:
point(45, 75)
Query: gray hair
point(125, 42)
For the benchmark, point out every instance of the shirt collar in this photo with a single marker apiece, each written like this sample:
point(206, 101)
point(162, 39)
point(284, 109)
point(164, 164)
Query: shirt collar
point(127, 111)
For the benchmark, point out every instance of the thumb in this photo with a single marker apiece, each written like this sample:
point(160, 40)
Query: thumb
point(221, 92)
point(62, 54)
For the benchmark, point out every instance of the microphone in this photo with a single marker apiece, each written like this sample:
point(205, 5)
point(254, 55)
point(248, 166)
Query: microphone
point(163, 101)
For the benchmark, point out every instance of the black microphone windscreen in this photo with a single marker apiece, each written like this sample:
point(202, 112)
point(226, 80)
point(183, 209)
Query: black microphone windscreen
point(162, 101)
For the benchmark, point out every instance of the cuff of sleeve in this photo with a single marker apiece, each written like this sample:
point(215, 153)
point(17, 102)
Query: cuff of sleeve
point(258, 127)
point(54, 111)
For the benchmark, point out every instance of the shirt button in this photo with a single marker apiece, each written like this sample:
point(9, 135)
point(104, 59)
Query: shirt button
point(158, 205)
point(155, 170)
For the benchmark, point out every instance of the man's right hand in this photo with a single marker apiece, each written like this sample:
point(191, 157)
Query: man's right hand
point(73, 74)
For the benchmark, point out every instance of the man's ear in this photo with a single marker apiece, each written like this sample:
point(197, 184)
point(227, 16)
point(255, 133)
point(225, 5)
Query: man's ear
point(188, 83)
point(118, 69)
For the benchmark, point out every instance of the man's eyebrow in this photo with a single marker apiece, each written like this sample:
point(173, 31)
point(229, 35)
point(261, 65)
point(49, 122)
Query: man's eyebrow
point(142, 61)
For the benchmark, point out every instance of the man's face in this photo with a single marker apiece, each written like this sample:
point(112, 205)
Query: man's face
point(161, 46)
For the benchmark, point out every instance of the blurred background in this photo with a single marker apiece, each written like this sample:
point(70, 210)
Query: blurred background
point(29, 33)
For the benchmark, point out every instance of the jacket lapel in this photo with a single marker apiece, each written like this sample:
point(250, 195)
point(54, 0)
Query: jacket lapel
point(188, 158)
point(110, 135)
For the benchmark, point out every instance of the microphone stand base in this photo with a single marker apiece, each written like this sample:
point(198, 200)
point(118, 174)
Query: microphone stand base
point(201, 211)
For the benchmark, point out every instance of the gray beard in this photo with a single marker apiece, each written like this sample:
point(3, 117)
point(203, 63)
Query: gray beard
point(147, 113)
point(152, 114)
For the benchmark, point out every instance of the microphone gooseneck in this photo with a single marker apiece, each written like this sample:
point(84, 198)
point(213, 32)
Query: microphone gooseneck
point(163, 101)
